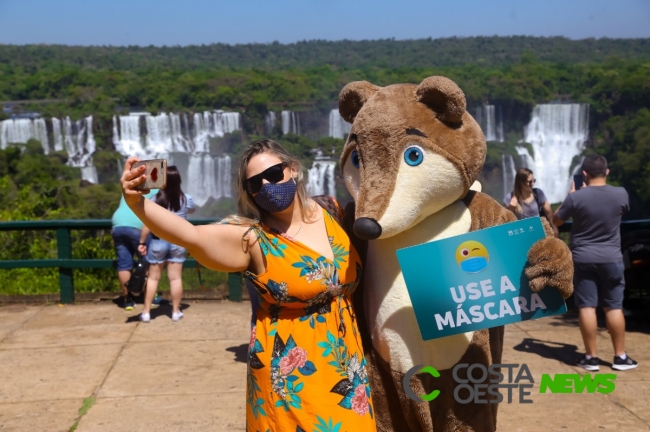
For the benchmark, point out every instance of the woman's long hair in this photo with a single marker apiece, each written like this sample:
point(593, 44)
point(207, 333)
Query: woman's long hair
point(172, 197)
point(522, 189)
point(248, 211)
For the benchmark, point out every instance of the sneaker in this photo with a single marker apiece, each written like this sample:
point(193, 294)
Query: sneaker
point(158, 300)
point(176, 316)
point(145, 317)
point(589, 364)
point(129, 304)
point(627, 364)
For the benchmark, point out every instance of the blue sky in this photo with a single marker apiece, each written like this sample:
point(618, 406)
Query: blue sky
point(160, 22)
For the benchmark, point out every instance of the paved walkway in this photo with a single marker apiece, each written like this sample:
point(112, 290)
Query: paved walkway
point(95, 366)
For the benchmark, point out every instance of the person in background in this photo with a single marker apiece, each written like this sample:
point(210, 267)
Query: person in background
point(527, 201)
point(598, 279)
point(160, 251)
point(126, 236)
point(304, 269)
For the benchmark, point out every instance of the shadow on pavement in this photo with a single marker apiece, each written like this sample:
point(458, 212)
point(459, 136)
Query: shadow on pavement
point(566, 353)
point(240, 351)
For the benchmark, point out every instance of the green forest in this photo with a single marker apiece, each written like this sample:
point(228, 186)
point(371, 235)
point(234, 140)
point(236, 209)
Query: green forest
point(516, 73)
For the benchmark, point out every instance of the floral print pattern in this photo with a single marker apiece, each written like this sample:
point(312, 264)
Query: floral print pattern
point(306, 371)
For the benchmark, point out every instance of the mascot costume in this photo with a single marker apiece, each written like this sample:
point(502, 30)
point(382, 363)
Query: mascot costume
point(412, 155)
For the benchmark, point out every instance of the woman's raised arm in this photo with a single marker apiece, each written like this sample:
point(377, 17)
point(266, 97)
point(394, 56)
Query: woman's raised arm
point(218, 247)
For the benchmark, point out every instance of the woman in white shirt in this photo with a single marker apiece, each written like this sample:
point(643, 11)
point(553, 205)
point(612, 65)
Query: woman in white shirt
point(160, 251)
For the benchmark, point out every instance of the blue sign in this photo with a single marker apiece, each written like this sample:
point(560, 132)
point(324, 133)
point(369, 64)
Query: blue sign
point(476, 280)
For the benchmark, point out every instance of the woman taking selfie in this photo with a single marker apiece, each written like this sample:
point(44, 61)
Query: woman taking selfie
point(527, 201)
point(306, 365)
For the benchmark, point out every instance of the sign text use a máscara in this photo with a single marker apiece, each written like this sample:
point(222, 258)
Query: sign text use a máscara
point(489, 310)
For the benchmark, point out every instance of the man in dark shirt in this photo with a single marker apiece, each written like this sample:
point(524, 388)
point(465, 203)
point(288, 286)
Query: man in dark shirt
point(598, 280)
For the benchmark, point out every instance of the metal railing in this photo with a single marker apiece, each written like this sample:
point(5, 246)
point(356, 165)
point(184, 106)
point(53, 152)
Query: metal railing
point(66, 263)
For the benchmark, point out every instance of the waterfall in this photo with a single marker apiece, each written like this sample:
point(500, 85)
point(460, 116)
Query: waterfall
point(508, 169)
point(320, 177)
point(208, 177)
point(338, 127)
point(557, 133)
point(269, 122)
point(19, 131)
point(76, 137)
point(79, 143)
point(159, 134)
point(57, 136)
point(491, 122)
point(184, 144)
point(290, 122)
point(127, 138)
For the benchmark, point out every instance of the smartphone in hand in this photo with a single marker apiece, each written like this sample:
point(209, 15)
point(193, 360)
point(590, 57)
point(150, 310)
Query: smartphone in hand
point(578, 181)
point(156, 174)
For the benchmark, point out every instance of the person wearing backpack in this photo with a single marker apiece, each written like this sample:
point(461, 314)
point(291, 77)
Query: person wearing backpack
point(126, 230)
point(527, 201)
point(160, 252)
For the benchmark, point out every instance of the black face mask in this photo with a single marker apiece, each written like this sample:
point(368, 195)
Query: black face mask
point(276, 197)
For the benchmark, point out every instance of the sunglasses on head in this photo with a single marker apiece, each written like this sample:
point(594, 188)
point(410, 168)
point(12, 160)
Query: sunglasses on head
point(272, 174)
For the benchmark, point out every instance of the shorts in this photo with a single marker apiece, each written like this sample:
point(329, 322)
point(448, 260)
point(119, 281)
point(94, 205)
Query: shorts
point(125, 240)
point(160, 251)
point(599, 285)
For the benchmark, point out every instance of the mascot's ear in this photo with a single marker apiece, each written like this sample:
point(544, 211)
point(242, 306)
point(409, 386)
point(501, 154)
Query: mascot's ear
point(444, 97)
point(352, 98)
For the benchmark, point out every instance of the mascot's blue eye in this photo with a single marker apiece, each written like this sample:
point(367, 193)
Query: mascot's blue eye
point(355, 158)
point(413, 156)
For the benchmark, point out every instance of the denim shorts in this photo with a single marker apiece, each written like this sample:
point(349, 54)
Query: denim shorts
point(160, 251)
point(599, 285)
point(126, 240)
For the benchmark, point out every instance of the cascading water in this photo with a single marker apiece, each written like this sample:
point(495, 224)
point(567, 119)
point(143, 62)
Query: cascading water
point(320, 179)
point(127, 139)
point(80, 145)
point(57, 135)
point(269, 122)
point(184, 144)
point(491, 121)
point(508, 167)
point(290, 122)
point(19, 131)
point(76, 138)
point(338, 127)
point(557, 133)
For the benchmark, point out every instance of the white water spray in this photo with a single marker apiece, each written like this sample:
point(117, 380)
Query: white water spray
point(558, 133)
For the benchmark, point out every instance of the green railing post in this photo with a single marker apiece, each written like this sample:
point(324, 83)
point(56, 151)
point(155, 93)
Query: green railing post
point(234, 286)
point(64, 251)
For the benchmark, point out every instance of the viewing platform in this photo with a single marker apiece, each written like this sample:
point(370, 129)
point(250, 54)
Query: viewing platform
point(96, 366)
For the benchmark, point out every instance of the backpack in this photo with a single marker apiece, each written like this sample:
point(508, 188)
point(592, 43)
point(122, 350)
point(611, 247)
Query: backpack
point(138, 281)
point(539, 204)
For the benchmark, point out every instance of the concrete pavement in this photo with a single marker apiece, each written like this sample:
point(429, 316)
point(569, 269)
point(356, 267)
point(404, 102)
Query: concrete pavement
point(95, 367)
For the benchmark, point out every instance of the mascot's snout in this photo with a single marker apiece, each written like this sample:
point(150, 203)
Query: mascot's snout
point(366, 228)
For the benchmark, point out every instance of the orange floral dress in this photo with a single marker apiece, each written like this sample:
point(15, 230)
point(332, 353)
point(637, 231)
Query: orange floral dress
point(306, 369)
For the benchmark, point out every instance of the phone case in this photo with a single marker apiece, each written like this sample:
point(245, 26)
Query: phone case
point(156, 174)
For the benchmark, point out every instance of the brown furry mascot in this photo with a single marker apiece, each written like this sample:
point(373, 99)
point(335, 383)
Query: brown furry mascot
point(412, 154)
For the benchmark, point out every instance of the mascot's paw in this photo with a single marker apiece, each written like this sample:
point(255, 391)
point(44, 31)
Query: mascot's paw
point(550, 264)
